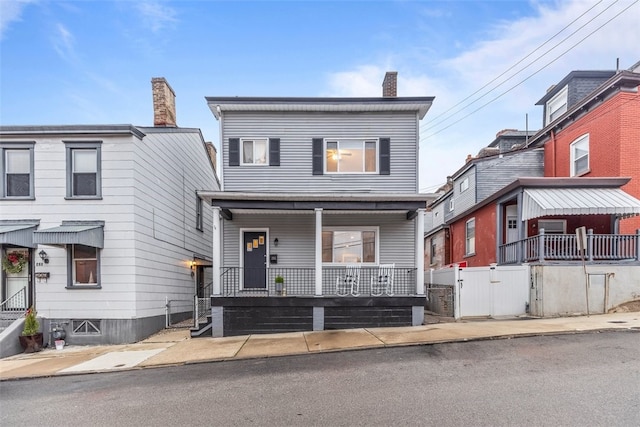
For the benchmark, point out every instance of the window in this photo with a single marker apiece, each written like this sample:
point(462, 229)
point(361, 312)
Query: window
point(470, 237)
point(198, 213)
point(254, 151)
point(347, 245)
point(452, 205)
point(351, 156)
point(553, 226)
point(84, 175)
point(84, 266)
point(580, 156)
point(432, 252)
point(556, 106)
point(17, 170)
point(464, 185)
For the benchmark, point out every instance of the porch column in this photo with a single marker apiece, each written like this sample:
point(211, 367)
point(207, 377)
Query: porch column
point(520, 250)
point(420, 252)
point(318, 251)
point(215, 257)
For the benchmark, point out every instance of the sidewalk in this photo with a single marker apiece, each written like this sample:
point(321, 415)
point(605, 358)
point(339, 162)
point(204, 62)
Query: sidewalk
point(174, 347)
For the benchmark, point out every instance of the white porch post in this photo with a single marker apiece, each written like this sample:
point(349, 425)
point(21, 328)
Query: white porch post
point(420, 252)
point(215, 257)
point(318, 251)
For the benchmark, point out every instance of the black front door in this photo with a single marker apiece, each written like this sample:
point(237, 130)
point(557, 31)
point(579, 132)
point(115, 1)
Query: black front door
point(255, 259)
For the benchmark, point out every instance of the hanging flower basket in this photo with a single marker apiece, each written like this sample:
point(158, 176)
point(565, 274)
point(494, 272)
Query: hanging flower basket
point(14, 262)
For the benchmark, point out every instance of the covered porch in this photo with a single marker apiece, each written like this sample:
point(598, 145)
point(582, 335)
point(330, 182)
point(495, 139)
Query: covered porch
point(292, 262)
point(537, 222)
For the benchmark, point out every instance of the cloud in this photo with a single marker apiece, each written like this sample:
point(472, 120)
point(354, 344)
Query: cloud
point(11, 11)
point(609, 32)
point(155, 15)
point(63, 42)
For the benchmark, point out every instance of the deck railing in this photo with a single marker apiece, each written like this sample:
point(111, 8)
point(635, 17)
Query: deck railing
point(237, 281)
point(563, 247)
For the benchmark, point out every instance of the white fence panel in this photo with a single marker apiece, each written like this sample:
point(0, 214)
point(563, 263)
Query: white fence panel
point(476, 297)
point(511, 290)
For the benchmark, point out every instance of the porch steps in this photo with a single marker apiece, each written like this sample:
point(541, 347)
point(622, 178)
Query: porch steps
point(203, 329)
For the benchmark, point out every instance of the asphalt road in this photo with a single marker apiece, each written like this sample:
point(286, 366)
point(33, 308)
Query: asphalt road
point(568, 380)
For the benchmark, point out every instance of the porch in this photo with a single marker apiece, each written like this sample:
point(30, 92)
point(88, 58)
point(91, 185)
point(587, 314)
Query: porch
point(563, 247)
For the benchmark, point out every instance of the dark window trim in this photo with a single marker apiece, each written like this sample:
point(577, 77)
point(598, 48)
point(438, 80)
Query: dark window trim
point(86, 145)
point(18, 145)
point(199, 213)
point(70, 284)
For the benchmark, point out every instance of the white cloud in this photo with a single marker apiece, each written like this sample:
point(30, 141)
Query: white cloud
point(155, 15)
point(11, 11)
point(63, 42)
point(455, 78)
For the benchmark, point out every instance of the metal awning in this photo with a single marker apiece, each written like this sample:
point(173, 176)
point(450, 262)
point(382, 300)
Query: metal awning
point(88, 233)
point(537, 202)
point(18, 232)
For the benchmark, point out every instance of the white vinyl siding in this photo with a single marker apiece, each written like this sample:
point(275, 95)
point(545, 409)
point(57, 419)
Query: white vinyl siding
point(296, 131)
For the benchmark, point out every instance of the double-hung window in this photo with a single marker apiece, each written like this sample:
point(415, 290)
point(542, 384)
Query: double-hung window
point(84, 172)
point(255, 151)
point(351, 156)
point(580, 156)
point(84, 266)
point(464, 185)
point(17, 170)
point(199, 213)
point(557, 105)
point(348, 245)
point(470, 237)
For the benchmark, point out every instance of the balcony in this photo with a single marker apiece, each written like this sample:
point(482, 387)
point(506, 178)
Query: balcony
point(563, 247)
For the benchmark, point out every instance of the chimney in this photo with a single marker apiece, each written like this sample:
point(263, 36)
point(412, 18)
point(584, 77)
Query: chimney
point(390, 84)
point(213, 155)
point(164, 103)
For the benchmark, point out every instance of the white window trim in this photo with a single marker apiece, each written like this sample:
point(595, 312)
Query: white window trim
point(464, 183)
point(375, 229)
point(452, 205)
point(572, 155)
point(241, 148)
point(363, 140)
point(466, 237)
point(563, 95)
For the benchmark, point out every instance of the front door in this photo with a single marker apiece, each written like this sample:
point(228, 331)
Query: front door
point(15, 281)
point(512, 224)
point(255, 259)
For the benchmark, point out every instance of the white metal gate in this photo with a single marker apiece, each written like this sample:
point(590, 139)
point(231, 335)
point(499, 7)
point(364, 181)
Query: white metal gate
point(493, 291)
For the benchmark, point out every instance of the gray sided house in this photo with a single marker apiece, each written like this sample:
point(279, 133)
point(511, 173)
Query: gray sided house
point(108, 222)
point(322, 195)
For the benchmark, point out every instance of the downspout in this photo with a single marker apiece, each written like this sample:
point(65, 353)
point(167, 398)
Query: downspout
point(553, 152)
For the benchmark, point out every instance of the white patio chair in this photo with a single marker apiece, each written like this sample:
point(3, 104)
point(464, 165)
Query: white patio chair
point(349, 282)
point(382, 282)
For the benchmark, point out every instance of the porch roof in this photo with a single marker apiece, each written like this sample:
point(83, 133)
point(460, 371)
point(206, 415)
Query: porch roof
point(537, 202)
point(18, 232)
point(309, 201)
point(88, 233)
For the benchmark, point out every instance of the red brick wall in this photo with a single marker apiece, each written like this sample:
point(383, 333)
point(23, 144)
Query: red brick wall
point(614, 146)
point(485, 238)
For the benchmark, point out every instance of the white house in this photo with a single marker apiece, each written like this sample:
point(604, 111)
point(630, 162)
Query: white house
point(107, 221)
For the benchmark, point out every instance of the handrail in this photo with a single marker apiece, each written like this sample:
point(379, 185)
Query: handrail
point(16, 302)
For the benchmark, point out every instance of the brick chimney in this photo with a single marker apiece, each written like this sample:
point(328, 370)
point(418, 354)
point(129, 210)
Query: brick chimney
point(164, 103)
point(213, 154)
point(390, 84)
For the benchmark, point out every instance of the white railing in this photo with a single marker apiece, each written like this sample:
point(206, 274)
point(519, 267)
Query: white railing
point(563, 247)
point(14, 306)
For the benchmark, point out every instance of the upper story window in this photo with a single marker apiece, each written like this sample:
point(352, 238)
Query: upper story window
point(464, 185)
point(199, 213)
point(470, 237)
point(351, 156)
point(349, 245)
point(580, 156)
point(254, 151)
point(432, 251)
point(17, 170)
point(556, 106)
point(452, 205)
point(84, 172)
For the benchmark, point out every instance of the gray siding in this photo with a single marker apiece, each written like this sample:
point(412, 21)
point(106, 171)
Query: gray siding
point(463, 200)
point(296, 236)
point(580, 87)
point(296, 131)
point(495, 173)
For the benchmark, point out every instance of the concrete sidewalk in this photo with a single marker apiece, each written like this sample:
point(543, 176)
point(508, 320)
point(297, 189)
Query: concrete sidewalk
point(174, 347)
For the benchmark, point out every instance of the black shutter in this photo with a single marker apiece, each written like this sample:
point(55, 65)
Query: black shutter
point(234, 151)
point(274, 151)
point(385, 156)
point(318, 158)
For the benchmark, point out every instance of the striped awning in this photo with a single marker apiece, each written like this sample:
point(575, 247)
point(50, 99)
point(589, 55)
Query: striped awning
point(88, 233)
point(537, 202)
point(18, 233)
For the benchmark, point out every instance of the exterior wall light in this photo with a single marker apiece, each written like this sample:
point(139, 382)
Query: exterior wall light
point(43, 255)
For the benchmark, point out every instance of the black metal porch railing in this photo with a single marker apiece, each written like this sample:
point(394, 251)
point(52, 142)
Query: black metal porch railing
point(302, 282)
point(563, 247)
